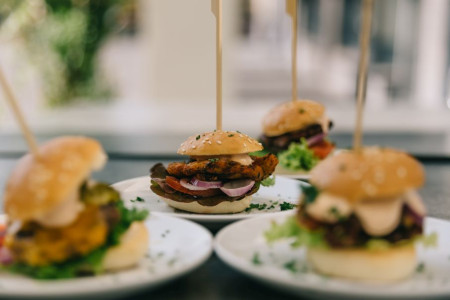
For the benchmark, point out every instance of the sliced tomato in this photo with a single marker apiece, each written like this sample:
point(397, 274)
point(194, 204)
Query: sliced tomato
point(322, 149)
point(2, 234)
point(175, 184)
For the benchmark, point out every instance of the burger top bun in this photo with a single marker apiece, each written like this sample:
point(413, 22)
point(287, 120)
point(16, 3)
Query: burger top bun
point(372, 173)
point(219, 143)
point(291, 116)
point(38, 184)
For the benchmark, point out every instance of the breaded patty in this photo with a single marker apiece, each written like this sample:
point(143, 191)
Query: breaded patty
point(219, 169)
point(38, 246)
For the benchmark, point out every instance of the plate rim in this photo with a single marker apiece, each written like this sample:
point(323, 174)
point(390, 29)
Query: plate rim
point(207, 218)
point(246, 268)
point(140, 283)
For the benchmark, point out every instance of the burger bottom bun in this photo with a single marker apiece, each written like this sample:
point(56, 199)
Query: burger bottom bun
point(133, 246)
point(365, 265)
point(224, 207)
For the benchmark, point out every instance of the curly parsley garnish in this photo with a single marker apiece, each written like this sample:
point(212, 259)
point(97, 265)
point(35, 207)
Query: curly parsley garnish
point(287, 206)
point(256, 260)
point(310, 193)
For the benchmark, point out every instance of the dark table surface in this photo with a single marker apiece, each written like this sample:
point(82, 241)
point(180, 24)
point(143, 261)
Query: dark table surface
point(214, 279)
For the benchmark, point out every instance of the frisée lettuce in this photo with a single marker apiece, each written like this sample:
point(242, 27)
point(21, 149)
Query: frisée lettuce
point(298, 157)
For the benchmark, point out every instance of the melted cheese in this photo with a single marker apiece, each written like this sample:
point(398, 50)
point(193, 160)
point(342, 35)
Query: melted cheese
point(378, 217)
point(328, 208)
point(63, 214)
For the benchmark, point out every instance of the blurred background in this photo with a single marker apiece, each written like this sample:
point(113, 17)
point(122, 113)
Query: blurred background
point(147, 67)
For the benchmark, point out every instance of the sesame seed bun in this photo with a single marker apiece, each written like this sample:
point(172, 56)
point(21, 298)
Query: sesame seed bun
point(365, 265)
point(224, 207)
point(219, 143)
point(292, 116)
point(39, 184)
point(132, 247)
point(372, 173)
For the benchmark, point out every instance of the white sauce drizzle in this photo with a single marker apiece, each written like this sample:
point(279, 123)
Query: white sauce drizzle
point(328, 208)
point(378, 218)
point(63, 214)
point(243, 159)
point(324, 122)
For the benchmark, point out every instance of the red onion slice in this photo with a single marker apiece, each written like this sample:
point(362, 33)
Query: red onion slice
point(418, 219)
point(185, 183)
point(206, 184)
point(5, 256)
point(237, 188)
point(315, 139)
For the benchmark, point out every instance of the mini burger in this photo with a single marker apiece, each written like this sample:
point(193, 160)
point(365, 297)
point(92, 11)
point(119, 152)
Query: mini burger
point(219, 177)
point(361, 216)
point(61, 224)
point(297, 131)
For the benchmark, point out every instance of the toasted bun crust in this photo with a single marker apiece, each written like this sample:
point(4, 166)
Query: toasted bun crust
point(39, 184)
point(292, 116)
point(225, 207)
point(372, 173)
point(133, 246)
point(385, 266)
point(219, 143)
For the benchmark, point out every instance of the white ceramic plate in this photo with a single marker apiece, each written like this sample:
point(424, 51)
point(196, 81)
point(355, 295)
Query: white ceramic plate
point(284, 190)
point(285, 268)
point(300, 175)
point(176, 247)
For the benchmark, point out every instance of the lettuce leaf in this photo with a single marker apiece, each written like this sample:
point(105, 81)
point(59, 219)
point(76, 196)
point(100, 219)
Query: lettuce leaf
point(300, 236)
point(429, 240)
point(269, 181)
point(259, 153)
point(89, 264)
point(298, 157)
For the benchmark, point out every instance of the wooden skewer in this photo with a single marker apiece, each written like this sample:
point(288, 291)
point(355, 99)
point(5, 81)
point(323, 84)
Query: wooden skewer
point(291, 9)
point(12, 100)
point(216, 8)
point(364, 46)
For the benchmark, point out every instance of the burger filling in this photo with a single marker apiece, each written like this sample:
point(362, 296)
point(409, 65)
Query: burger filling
point(281, 142)
point(211, 180)
point(324, 220)
point(75, 249)
point(301, 149)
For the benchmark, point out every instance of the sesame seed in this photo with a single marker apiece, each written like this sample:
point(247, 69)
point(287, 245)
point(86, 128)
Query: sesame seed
point(193, 147)
point(219, 142)
point(401, 172)
point(369, 188)
point(356, 175)
point(379, 177)
point(209, 142)
point(240, 135)
point(245, 145)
